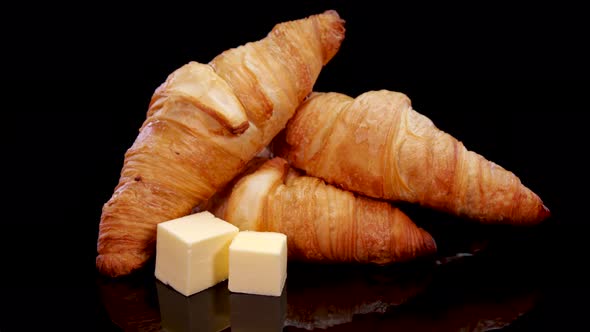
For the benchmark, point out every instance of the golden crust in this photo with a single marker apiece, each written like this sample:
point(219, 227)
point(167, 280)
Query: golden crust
point(323, 223)
point(377, 145)
point(202, 127)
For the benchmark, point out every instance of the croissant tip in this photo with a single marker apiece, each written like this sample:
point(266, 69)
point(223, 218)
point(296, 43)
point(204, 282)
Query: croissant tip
point(429, 243)
point(540, 214)
point(332, 12)
point(545, 212)
point(116, 264)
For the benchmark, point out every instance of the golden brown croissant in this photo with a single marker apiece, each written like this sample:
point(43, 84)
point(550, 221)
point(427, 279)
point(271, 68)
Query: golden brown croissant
point(204, 123)
point(377, 145)
point(323, 223)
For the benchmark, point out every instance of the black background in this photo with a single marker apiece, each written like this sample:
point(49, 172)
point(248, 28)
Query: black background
point(510, 82)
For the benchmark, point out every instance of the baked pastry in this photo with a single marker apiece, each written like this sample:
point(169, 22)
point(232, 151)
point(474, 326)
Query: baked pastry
point(322, 223)
point(377, 145)
point(204, 123)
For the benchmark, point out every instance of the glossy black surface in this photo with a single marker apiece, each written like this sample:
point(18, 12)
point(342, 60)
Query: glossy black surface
point(441, 294)
point(501, 278)
point(509, 82)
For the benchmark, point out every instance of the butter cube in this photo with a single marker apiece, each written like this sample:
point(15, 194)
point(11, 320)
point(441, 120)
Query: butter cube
point(192, 252)
point(258, 263)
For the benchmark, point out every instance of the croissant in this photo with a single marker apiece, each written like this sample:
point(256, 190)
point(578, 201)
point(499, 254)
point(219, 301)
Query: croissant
point(204, 123)
point(377, 145)
point(322, 223)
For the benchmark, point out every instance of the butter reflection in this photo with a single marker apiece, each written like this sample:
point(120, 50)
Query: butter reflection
point(318, 297)
point(206, 311)
point(256, 313)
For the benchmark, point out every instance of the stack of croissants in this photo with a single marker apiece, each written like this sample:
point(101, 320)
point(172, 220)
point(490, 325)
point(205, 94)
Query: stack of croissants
point(246, 137)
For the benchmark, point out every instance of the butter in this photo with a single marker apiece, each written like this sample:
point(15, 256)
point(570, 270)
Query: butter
point(192, 252)
point(258, 263)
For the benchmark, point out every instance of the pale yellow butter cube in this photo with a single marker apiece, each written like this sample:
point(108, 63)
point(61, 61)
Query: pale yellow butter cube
point(258, 263)
point(192, 252)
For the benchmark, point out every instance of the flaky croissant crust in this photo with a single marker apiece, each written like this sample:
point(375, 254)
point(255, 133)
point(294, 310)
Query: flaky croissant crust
point(203, 125)
point(377, 145)
point(323, 223)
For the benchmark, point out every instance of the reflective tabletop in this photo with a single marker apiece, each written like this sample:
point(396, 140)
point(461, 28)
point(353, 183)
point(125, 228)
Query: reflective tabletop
point(484, 278)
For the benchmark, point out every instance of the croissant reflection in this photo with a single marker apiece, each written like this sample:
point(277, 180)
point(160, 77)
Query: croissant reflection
point(450, 304)
point(131, 303)
point(339, 295)
point(470, 316)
